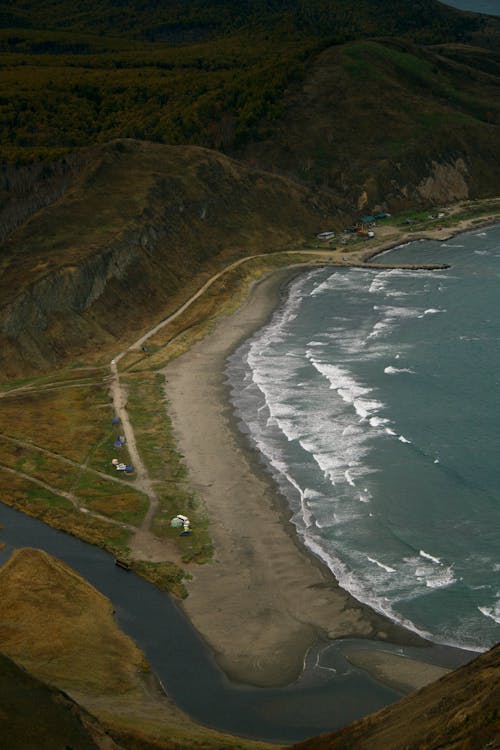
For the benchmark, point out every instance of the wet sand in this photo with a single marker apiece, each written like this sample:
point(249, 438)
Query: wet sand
point(399, 672)
point(264, 599)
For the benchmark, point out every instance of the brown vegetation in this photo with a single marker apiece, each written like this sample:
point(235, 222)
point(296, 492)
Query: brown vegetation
point(36, 715)
point(105, 259)
point(62, 631)
point(458, 712)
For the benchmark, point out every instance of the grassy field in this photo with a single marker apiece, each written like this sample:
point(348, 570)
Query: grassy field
point(57, 440)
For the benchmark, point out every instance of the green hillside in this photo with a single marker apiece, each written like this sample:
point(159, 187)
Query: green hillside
point(390, 120)
point(213, 74)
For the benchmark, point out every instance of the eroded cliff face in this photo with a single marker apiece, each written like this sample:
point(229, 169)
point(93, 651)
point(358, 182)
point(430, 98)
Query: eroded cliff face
point(445, 183)
point(139, 220)
point(50, 317)
point(432, 183)
point(109, 256)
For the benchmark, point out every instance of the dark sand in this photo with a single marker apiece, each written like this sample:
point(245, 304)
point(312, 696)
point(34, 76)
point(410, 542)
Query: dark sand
point(264, 600)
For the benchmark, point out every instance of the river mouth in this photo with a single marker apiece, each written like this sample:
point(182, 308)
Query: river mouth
point(330, 693)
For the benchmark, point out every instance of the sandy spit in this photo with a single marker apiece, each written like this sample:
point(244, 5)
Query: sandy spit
point(264, 600)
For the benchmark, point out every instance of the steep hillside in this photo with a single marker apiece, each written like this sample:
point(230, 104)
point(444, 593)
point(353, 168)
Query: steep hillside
point(458, 712)
point(35, 715)
point(388, 123)
point(139, 223)
point(62, 630)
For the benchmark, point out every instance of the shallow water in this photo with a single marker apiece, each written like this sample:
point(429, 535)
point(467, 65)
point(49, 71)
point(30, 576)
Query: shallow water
point(373, 397)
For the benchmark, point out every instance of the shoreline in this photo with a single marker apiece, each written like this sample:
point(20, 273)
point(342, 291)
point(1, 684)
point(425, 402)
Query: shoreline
point(264, 587)
point(266, 599)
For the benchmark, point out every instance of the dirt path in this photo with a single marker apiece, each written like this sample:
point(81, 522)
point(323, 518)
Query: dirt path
point(387, 238)
point(67, 496)
point(32, 446)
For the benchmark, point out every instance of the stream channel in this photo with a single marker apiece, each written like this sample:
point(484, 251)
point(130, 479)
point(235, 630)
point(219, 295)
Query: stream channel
point(329, 694)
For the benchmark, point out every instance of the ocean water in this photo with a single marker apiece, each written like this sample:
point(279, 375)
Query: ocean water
point(373, 397)
point(492, 7)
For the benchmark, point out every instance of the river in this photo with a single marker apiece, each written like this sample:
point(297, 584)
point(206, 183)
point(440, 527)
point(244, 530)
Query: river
point(321, 700)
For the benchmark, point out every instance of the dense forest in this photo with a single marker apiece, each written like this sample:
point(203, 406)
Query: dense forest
point(206, 73)
point(177, 21)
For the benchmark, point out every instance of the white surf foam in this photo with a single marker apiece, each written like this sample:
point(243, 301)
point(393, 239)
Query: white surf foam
point(331, 449)
point(442, 579)
point(349, 479)
point(493, 614)
point(350, 391)
point(390, 370)
point(387, 568)
point(427, 556)
point(378, 421)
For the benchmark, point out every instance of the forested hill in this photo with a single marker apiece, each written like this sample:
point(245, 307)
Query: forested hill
point(367, 97)
point(180, 21)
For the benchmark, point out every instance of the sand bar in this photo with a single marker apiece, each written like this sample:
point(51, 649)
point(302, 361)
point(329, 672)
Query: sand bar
point(264, 599)
point(399, 672)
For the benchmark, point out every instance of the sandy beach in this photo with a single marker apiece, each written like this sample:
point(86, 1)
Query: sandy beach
point(264, 600)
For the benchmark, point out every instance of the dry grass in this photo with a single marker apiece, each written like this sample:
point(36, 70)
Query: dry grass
point(58, 512)
point(86, 652)
point(153, 430)
point(73, 421)
point(66, 421)
point(165, 575)
point(24, 495)
point(37, 464)
point(222, 298)
point(116, 501)
point(88, 656)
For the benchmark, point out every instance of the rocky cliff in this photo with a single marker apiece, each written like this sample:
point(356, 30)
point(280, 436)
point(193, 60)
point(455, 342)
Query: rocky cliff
point(137, 224)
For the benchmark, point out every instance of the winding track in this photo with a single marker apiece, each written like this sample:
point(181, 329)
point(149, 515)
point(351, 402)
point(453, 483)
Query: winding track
point(118, 391)
point(143, 539)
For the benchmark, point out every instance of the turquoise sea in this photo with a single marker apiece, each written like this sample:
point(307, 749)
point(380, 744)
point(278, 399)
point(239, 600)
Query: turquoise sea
point(373, 396)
